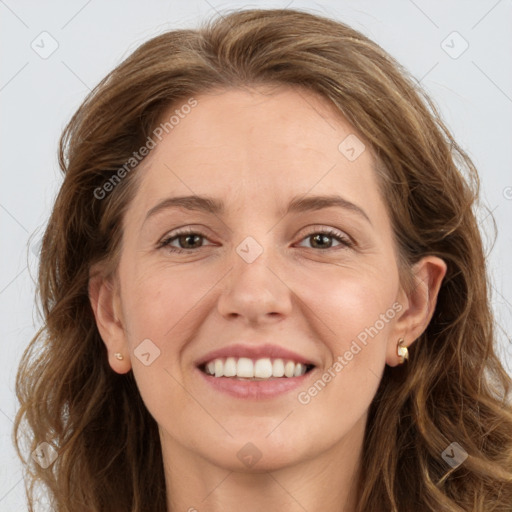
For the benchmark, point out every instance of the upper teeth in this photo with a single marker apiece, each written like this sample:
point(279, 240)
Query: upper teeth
point(260, 368)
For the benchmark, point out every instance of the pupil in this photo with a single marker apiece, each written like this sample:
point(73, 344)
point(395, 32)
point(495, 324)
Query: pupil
point(320, 237)
point(187, 237)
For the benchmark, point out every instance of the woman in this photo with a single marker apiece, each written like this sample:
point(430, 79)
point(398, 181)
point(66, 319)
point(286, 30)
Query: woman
point(263, 288)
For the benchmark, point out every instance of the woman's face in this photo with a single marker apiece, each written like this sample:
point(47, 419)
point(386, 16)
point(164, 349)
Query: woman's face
point(258, 273)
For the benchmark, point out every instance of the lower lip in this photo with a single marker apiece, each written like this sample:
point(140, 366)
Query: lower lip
point(255, 389)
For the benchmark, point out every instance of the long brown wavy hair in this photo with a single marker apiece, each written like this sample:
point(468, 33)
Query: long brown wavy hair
point(454, 387)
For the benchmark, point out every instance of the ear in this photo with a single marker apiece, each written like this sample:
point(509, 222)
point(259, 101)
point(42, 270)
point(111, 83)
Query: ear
point(418, 305)
point(106, 306)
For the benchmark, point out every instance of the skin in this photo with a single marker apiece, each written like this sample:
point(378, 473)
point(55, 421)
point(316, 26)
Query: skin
point(255, 149)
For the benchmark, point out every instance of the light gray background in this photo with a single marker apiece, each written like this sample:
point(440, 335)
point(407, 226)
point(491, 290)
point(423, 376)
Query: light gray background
point(38, 95)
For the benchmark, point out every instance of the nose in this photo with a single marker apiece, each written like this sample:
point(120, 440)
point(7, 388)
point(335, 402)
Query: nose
point(255, 292)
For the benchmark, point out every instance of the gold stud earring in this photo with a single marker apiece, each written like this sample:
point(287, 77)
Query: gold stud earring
point(119, 356)
point(402, 351)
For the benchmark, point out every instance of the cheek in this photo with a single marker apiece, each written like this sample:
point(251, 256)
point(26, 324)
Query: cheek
point(364, 318)
point(156, 301)
point(353, 313)
point(349, 301)
point(158, 305)
point(358, 311)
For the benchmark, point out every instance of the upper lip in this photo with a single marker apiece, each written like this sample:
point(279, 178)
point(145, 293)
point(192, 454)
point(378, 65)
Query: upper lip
point(254, 352)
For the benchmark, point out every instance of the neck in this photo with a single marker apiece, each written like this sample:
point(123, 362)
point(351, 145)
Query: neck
point(327, 482)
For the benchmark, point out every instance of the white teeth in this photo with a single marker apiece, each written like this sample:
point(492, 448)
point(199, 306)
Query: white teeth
point(230, 367)
point(244, 367)
point(219, 368)
point(298, 370)
point(289, 369)
point(264, 368)
point(278, 368)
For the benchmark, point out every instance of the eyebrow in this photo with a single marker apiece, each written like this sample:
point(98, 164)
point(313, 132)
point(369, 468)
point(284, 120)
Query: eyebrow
point(298, 204)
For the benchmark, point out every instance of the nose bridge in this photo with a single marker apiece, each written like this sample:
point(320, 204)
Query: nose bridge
point(253, 289)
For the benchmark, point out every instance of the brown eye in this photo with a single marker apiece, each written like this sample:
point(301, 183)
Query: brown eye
point(324, 239)
point(187, 241)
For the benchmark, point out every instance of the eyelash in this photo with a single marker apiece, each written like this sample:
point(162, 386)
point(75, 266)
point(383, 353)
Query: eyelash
point(344, 240)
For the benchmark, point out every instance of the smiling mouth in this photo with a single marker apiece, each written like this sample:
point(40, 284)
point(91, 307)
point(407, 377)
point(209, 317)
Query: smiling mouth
point(244, 368)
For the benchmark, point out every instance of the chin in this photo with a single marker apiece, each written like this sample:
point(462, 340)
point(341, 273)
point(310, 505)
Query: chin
point(255, 452)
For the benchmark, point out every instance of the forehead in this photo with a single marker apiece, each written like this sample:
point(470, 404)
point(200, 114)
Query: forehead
point(260, 143)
